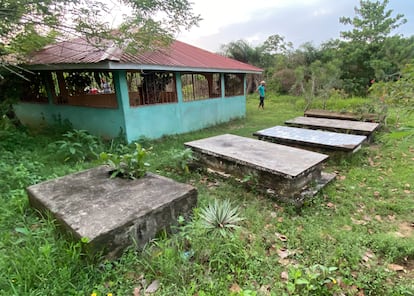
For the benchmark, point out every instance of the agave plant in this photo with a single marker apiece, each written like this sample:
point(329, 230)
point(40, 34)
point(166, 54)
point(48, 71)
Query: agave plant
point(221, 217)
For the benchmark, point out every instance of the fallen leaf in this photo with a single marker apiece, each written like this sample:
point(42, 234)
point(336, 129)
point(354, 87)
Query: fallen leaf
point(137, 291)
point(283, 253)
point(376, 193)
point(284, 276)
point(330, 205)
point(273, 214)
point(280, 219)
point(391, 217)
point(378, 218)
point(285, 262)
point(358, 222)
point(153, 287)
point(264, 290)
point(399, 234)
point(368, 255)
point(282, 237)
point(371, 162)
point(235, 288)
point(407, 191)
point(395, 267)
point(267, 226)
point(347, 227)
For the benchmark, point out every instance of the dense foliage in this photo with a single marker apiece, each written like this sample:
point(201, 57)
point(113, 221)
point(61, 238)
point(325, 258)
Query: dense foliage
point(29, 25)
point(366, 53)
point(354, 238)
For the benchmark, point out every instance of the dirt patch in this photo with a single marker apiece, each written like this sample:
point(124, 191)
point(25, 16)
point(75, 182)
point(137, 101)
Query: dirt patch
point(405, 229)
point(408, 265)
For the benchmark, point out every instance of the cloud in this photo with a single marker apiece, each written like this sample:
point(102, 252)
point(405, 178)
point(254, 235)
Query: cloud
point(299, 21)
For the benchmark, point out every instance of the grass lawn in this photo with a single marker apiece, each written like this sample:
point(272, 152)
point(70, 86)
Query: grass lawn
point(356, 237)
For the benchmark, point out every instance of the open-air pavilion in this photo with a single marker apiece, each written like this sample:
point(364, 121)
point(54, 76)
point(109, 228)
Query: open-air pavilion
point(109, 92)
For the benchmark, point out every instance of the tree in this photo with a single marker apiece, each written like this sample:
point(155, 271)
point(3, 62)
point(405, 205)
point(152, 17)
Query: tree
point(26, 25)
point(317, 80)
point(362, 52)
point(242, 51)
point(276, 44)
point(372, 23)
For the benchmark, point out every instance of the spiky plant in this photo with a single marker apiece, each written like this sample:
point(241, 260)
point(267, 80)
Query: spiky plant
point(221, 217)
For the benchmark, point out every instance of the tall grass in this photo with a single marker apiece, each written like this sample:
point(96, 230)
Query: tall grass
point(355, 237)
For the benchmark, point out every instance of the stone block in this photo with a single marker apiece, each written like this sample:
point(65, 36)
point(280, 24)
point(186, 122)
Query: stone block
point(285, 170)
point(113, 213)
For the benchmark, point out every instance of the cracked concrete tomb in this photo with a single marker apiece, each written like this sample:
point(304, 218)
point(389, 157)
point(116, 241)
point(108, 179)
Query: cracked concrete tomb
point(113, 213)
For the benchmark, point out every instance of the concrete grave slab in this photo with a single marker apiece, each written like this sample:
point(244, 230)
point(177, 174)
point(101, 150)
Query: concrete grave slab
point(371, 117)
point(305, 138)
point(113, 213)
point(335, 125)
point(284, 170)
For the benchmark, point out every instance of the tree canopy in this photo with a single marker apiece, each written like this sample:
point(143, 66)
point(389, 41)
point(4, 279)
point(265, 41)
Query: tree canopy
point(367, 52)
point(26, 25)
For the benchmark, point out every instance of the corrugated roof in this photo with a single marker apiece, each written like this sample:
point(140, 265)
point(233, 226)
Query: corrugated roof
point(178, 56)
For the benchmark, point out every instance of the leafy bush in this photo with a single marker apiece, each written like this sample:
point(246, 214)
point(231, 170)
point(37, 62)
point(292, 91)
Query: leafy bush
point(400, 92)
point(311, 281)
point(182, 159)
point(128, 165)
point(77, 145)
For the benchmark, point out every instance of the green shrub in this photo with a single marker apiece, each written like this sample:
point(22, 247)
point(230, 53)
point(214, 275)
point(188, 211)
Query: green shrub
point(128, 165)
point(77, 145)
point(181, 159)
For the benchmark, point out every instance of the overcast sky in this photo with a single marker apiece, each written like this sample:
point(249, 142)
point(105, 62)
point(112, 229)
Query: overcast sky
point(299, 21)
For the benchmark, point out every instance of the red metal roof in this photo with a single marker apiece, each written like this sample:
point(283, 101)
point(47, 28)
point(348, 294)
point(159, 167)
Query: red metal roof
point(178, 56)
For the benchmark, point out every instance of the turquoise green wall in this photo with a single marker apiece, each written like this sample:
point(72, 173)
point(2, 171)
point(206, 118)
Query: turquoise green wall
point(155, 121)
point(152, 121)
point(98, 121)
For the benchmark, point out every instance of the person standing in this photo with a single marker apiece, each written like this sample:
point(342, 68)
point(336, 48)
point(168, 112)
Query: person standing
point(261, 90)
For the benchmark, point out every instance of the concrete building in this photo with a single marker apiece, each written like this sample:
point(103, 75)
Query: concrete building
point(106, 91)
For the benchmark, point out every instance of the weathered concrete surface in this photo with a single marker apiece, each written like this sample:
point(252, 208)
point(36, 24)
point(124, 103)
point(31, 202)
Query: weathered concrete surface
point(336, 125)
point(307, 138)
point(283, 169)
point(113, 213)
point(371, 117)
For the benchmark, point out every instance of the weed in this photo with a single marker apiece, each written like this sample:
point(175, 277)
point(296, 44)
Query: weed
point(182, 159)
point(77, 145)
point(311, 281)
point(127, 165)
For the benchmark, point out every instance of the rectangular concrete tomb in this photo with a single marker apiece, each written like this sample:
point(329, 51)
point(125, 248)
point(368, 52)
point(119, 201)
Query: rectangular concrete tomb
point(112, 213)
point(372, 117)
point(335, 125)
point(306, 138)
point(285, 170)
